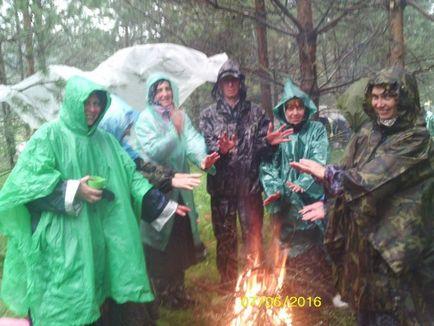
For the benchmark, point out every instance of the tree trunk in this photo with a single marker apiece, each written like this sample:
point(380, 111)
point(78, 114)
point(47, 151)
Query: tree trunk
point(397, 48)
point(28, 31)
point(8, 129)
point(3, 78)
point(263, 71)
point(306, 41)
point(40, 36)
point(19, 42)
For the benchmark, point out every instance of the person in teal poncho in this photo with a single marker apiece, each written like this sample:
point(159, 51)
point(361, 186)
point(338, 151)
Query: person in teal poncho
point(166, 136)
point(70, 246)
point(288, 191)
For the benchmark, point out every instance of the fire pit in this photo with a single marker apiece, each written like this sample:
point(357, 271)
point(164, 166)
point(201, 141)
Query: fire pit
point(258, 296)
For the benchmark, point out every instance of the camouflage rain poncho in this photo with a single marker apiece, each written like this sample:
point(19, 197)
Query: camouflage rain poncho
point(380, 230)
point(309, 142)
point(67, 267)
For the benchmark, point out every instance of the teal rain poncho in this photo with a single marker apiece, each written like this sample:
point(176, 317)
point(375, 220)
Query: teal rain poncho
point(158, 142)
point(69, 265)
point(309, 142)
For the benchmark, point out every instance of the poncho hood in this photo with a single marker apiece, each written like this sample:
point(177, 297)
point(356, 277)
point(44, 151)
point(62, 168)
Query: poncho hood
point(72, 114)
point(290, 92)
point(155, 77)
point(229, 68)
point(116, 121)
point(118, 118)
point(404, 84)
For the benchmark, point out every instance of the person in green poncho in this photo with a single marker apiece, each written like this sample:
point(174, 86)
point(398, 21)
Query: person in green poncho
point(380, 230)
point(166, 136)
point(288, 190)
point(70, 246)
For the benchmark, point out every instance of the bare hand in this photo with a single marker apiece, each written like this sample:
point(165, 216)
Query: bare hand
point(278, 136)
point(272, 198)
point(209, 160)
point(310, 167)
point(225, 144)
point(313, 211)
point(177, 117)
point(182, 210)
point(294, 187)
point(186, 180)
point(86, 193)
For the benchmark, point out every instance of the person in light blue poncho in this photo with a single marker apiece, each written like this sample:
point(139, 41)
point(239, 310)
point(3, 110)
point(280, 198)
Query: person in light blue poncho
point(118, 121)
point(167, 137)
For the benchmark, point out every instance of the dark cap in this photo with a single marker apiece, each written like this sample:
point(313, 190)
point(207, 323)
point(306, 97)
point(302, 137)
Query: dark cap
point(230, 68)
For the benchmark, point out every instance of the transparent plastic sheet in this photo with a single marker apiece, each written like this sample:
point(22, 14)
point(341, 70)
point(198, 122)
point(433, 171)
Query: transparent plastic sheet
point(37, 99)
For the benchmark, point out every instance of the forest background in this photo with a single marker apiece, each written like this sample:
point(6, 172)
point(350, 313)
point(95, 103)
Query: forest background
point(322, 45)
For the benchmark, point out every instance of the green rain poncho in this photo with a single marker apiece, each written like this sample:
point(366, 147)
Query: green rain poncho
point(67, 267)
point(158, 141)
point(310, 142)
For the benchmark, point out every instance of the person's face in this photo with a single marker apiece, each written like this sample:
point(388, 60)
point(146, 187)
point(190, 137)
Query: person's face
point(385, 105)
point(92, 109)
point(163, 94)
point(294, 111)
point(230, 87)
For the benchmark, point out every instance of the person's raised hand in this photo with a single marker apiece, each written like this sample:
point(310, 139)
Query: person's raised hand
point(186, 180)
point(177, 117)
point(310, 167)
point(313, 211)
point(86, 193)
point(279, 136)
point(272, 198)
point(294, 187)
point(182, 210)
point(226, 143)
point(209, 160)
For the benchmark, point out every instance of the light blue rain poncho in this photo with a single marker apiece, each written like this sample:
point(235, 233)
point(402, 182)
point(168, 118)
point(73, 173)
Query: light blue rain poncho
point(308, 141)
point(159, 142)
point(118, 118)
point(430, 122)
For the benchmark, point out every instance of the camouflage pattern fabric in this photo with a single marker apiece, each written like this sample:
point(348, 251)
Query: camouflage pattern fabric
point(238, 171)
point(380, 231)
point(235, 187)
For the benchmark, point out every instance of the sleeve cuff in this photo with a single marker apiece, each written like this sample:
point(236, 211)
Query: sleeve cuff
point(165, 215)
point(72, 207)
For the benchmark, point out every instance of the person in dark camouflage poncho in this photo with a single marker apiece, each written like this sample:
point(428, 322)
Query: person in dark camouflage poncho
point(242, 134)
point(380, 225)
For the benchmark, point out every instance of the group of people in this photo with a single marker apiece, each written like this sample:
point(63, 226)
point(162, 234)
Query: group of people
point(75, 254)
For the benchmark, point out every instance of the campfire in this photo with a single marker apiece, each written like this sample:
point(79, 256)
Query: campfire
point(258, 298)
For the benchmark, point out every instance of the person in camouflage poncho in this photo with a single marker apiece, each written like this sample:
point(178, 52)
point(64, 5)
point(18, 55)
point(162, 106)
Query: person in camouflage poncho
point(380, 228)
point(242, 134)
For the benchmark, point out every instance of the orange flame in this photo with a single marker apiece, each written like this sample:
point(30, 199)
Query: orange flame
point(258, 299)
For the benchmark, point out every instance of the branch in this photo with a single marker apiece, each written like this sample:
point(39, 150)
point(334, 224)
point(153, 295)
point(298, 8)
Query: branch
point(334, 87)
point(422, 70)
point(421, 11)
point(288, 14)
point(334, 22)
point(155, 21)
point(246, 14)
point(324, 16)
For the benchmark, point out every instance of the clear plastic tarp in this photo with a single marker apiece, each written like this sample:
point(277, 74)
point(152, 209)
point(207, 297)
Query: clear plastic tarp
point(37, 99)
